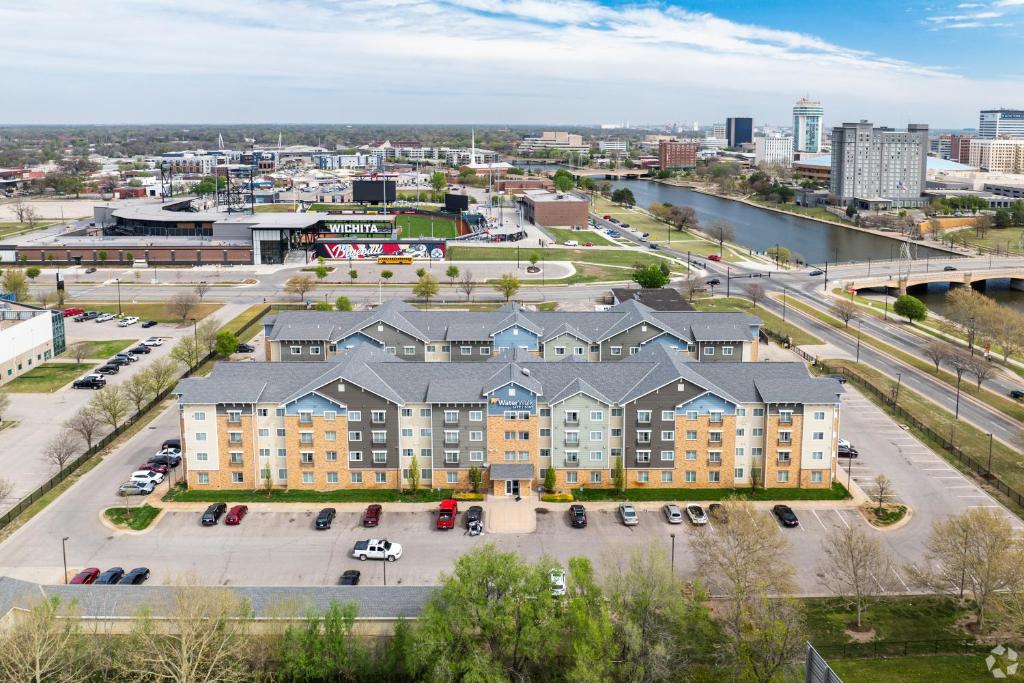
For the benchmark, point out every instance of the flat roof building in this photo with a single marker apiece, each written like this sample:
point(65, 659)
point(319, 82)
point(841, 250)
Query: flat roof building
point(1000, 123)
point(775, 150)
point(29, 336)
point(881, 165)
point(554, 208)
point(739, 131)
point(808, 125)
point(676, 155)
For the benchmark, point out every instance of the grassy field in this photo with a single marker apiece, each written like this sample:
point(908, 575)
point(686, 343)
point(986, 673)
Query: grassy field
point(7, 229)
point(563, 235)
point(149, 311)
point(610, 257)
point(275, 208)
point(771, 321)
point(837, 492)
point(1001, 239)
point(136, 518)
point(99, 349)
point(297, 496)
point(818, 212)
point(933, 669)
point(902, 618)
point(368, 208)
point(46, 378)
point(239, 321)
point(414, 225)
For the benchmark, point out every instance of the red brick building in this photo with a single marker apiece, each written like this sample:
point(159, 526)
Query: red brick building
point(673, 155)
point(554, 209)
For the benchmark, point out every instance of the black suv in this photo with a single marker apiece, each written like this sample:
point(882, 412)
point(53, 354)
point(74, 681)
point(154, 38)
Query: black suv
point(166, 459)
point(324, 519)
point(108, 369)
point(245, 348)
point(111, 576)
point(135, 577)
point(140, 349)
point(578, 516)
point(90, 382)
point(474, 513)
point(214, 513)
point(118, 360)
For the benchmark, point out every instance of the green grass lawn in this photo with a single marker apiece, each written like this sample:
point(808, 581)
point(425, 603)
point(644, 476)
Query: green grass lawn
point(7, 229)
point(933, 669)
point(1001, 239)
point(611, 257)
point(242, 319)
point(837, 492)
point(818, 212)
point(136, 518)
point(414, 225)
point(99, 349)
point(771, 321)
point(564, 235)
point(46, 378)
point(148, 311)
point(297, 496)
point(275, 208)
point(896, 618)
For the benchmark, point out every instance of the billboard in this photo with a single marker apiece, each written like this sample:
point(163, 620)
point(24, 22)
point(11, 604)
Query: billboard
point(373, 191)
point(454, 203)
point(369, 251)
point(382, 228)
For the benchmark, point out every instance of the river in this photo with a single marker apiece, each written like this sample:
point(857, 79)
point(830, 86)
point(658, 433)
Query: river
point(935, 298)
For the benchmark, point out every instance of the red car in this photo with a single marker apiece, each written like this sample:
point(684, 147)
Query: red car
point(372, 515)
point(446, 514)
point(152, 467)
point(588, 244)
point(68, 312)
point(236, 514)
point(87, 575)
point(607, 216)
point(714, 257)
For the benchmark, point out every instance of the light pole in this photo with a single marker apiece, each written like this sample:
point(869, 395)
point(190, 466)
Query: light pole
point(859, 323)
point(988, 474)
point(118, 281)
point(64, 554)
point(385, 570)
point(728, 280)
point(784, 289)
point(896, 395)
point(673, 554)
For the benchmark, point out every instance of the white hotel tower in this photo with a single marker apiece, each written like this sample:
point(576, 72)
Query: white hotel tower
point(807, 125)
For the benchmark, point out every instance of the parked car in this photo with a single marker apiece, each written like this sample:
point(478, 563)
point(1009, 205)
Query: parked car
point(377, 549)
point(214, 513)
point(117, 360)
point(245, 348)
point(578, 516)
point(785, 515)
point(714, 257)
point(149, 323)
point(135, 577)
point(349, 577)
point(140, 349)
point(816, 272)
point(1017, 394)
point(171, 443)
point(128, 356)
point(372, 515)
point(588, 244)
point(714, 282)
point(146, 476)
point(696, 515)
point(236, 515)
point(628, 514)
point(108, 369)
point(69, 312)
point(324, 518)
point(136, 488)
point(446, 514)
point(839, 378)
point(110, 577)
point(949, 268)
point(572, 243)
point(474, 514)
point(654, 246)
point(89, 382)
point(844, 442)
point(153, 341)
point(86, 576)
point(613, 233)
point(167, 459)
point(607, 216)
point(557, 582)
point(90, 270)
point(673, 515)
point(105, 317)
point(718, 512)
point(847, 452)
point(154, 467)
point(130, 320)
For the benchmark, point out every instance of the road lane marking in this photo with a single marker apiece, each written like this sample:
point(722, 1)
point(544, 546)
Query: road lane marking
point(841, 518)
point(819, 520)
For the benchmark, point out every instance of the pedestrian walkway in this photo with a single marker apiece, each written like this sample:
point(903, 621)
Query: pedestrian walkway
point(506, 515)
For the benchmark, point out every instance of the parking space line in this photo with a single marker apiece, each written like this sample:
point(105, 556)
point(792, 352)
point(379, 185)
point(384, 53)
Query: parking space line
point(841, 518)
point(905, 586)
point(819, 520)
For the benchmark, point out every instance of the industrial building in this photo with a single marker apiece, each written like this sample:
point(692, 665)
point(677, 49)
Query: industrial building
point(29, 336)
point(554, 208)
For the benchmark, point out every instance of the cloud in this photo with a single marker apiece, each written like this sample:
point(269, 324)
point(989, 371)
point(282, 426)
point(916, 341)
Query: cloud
point(440, 61)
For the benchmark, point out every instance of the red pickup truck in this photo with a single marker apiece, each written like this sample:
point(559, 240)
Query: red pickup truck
point(446, 515)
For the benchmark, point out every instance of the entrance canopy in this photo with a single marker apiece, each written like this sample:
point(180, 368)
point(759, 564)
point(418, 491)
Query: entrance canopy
point(505, 471)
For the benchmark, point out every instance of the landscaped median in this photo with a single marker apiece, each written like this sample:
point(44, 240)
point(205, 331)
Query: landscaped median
point(133, 519)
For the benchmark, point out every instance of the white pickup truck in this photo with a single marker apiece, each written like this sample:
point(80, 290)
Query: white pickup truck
point(377, 549)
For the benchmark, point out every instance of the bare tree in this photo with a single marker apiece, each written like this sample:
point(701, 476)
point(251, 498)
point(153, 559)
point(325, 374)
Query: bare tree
point(182, 305)
point(195, 637)
point(936, 351)
point(31, 215)
point(977, 553)
point(62, 448)
point(18, 207)
point(467, 284)
point(690, 285)
point(201, 289)
point(721, 232)
point(845, 310)
point(78, 352)
point(855, 567)
point(138, 389)
point(960, 362)
point(299, 285)
point(86, 423)
point(981, 368)
point(881, 491)
point(206, 333)
point(110, 405)
point(187, 351)
point(757, 294)
point(45, 644)
point(163, 373)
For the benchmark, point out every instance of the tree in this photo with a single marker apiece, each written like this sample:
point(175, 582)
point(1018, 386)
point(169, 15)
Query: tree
point(86, 423)
point(466, 284)
point(772, 638)
point(650, 277)
point(197, 636)
point(138, 390)
point(845, 310)
point(690, 285)
point(438, 181)
point(426, 288)
point(475, 478)
point(163, 373)
point(881, 491)
point(981, 367)
point(61, 448)
point(756, 293)
point(201, 289)
point(299, 285)
point(206, 334)
point(386, 275)
point(110, 405)
point(352, 275)
point(420, 272)
point(187, 351)
point(414, 473)
point(32, 272)
point(911, 308)
point(619, 475)
point(962, 307)
point(227, 343)
point(1003, 219)
point(46, 645)
point(18, 206)
point(182, 305)
point(563, 183)
point(851, 211)
point(721, 232)
point(31, 216)
point(780, 254)
point(451, 273)
point(975, 552)
point(624, 196)
point(15, 283)
point(936, 351)
point(342, 303)
point(321, 271)
point(102, 256)
point(323, 647)
point(507, 285)
point(322, 306)
point(534, 258)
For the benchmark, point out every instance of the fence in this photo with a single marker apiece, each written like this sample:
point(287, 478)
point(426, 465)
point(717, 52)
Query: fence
point(816, 669)
point(97, 447)
point(899, 648)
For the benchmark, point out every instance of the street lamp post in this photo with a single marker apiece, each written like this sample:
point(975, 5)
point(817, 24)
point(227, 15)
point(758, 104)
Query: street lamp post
point(118, 281)
point(728, 280)
point(673, 554)
point(858, 341)
point(385, 571)
point(784, 289)
point(896, 396)
point(64, 554)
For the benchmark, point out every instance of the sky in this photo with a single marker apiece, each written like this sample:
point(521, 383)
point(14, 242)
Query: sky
point(506, 61)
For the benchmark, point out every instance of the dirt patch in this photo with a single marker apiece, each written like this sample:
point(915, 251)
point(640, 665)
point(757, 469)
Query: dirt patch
point(541, 511)
point(865, 635)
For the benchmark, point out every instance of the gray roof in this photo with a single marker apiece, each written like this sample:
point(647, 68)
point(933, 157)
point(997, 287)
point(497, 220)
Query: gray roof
point(372, 602)
point(502, 470)
point(465, 326)
point(402, 382)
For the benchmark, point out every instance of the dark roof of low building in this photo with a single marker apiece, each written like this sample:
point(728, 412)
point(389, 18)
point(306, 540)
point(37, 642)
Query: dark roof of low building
point(504, 471)
point(663, 299)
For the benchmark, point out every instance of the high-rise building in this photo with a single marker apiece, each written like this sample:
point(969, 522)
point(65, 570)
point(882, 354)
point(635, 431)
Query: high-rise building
point(879, 167)
point(614, 147)
point(572, 142)
point(997, 156)
point(718, 131)
point(808, 116)
point(739, 131)
point(673, 155)
point(775, 149)
point(1001, 123)
point(960, 148)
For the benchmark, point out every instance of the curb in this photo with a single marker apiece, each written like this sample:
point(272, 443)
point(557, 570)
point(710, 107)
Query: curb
point(131, 532)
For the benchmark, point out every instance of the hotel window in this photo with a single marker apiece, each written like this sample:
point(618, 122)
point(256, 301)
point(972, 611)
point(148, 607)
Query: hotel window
point(596, 455)
point(572, 456)
point(446, 348)
point(691, 455)
point(355, 415)
point(714, 477)
point(262, 412)
point(485, 350)
point(756, 452)
point(757, 431)
point(306, 437)
point(305, 417)
point(282, 473)
point(510, 456)
point(726, 350)
point(409, 350)
point(616, 350)
point(466, 350)
point(716, 417)
point(817, 455)
point(234, 437)
point(739, 452)
point(476, 436)
point(816, 477)
point(784, 457)
point(280, 431)
point(785, 437)
point(377, 416)
point(389, 349)
point(738, 472)
point(691, 434)
point(330, 415)
point(453, 477)
point(597, 436)
point(264, 452)
point(633, 350)
point(524, 455)
point(741, 412)
point(668, 415)
point(691, 348)
point(408, 452)
point(237, 478)
point(331, 456)
point(281, 452)
point(782, 477)
point(333, 348)
point(616, 432)
point(596, 415)
point(595, 477)
point(758, 412)
point(715, 457)
point(616, 412)
point(544, 431)
point(203, 478)
point(690, 477)
point(426, 431)
point(691, 414)
point(200, 436)
point(740, 431)
point(668, 435)
point(818, 436)
point(476, 416)
point(668, 456)
point(199, 416)
point(406, 412)
point(425, 412)
point(709, 350)
point(406, 432)
point(572, 417)
point(202, 457)
point(819, 415)
point(264, 432)
point(578, 350)
point(380, 457)
point(666, 476)
point(451, 416)
point(296, 350)
point(332, 478)
point(559, 350)
point(595, 348)
point(306, 458)
point(314, 350)
point(452, 435)
point(451, 457)
point(357, 477)
point(380, 436)
point(785, 416)
point(234, 416)
point(426, 453)
point(330, 436)
point(355, 456)
point(545, 412)
point(643, 477)
point(643, 436)
point(571, 477)
point(643, 416)
point(643, 456)
point(476, 456)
